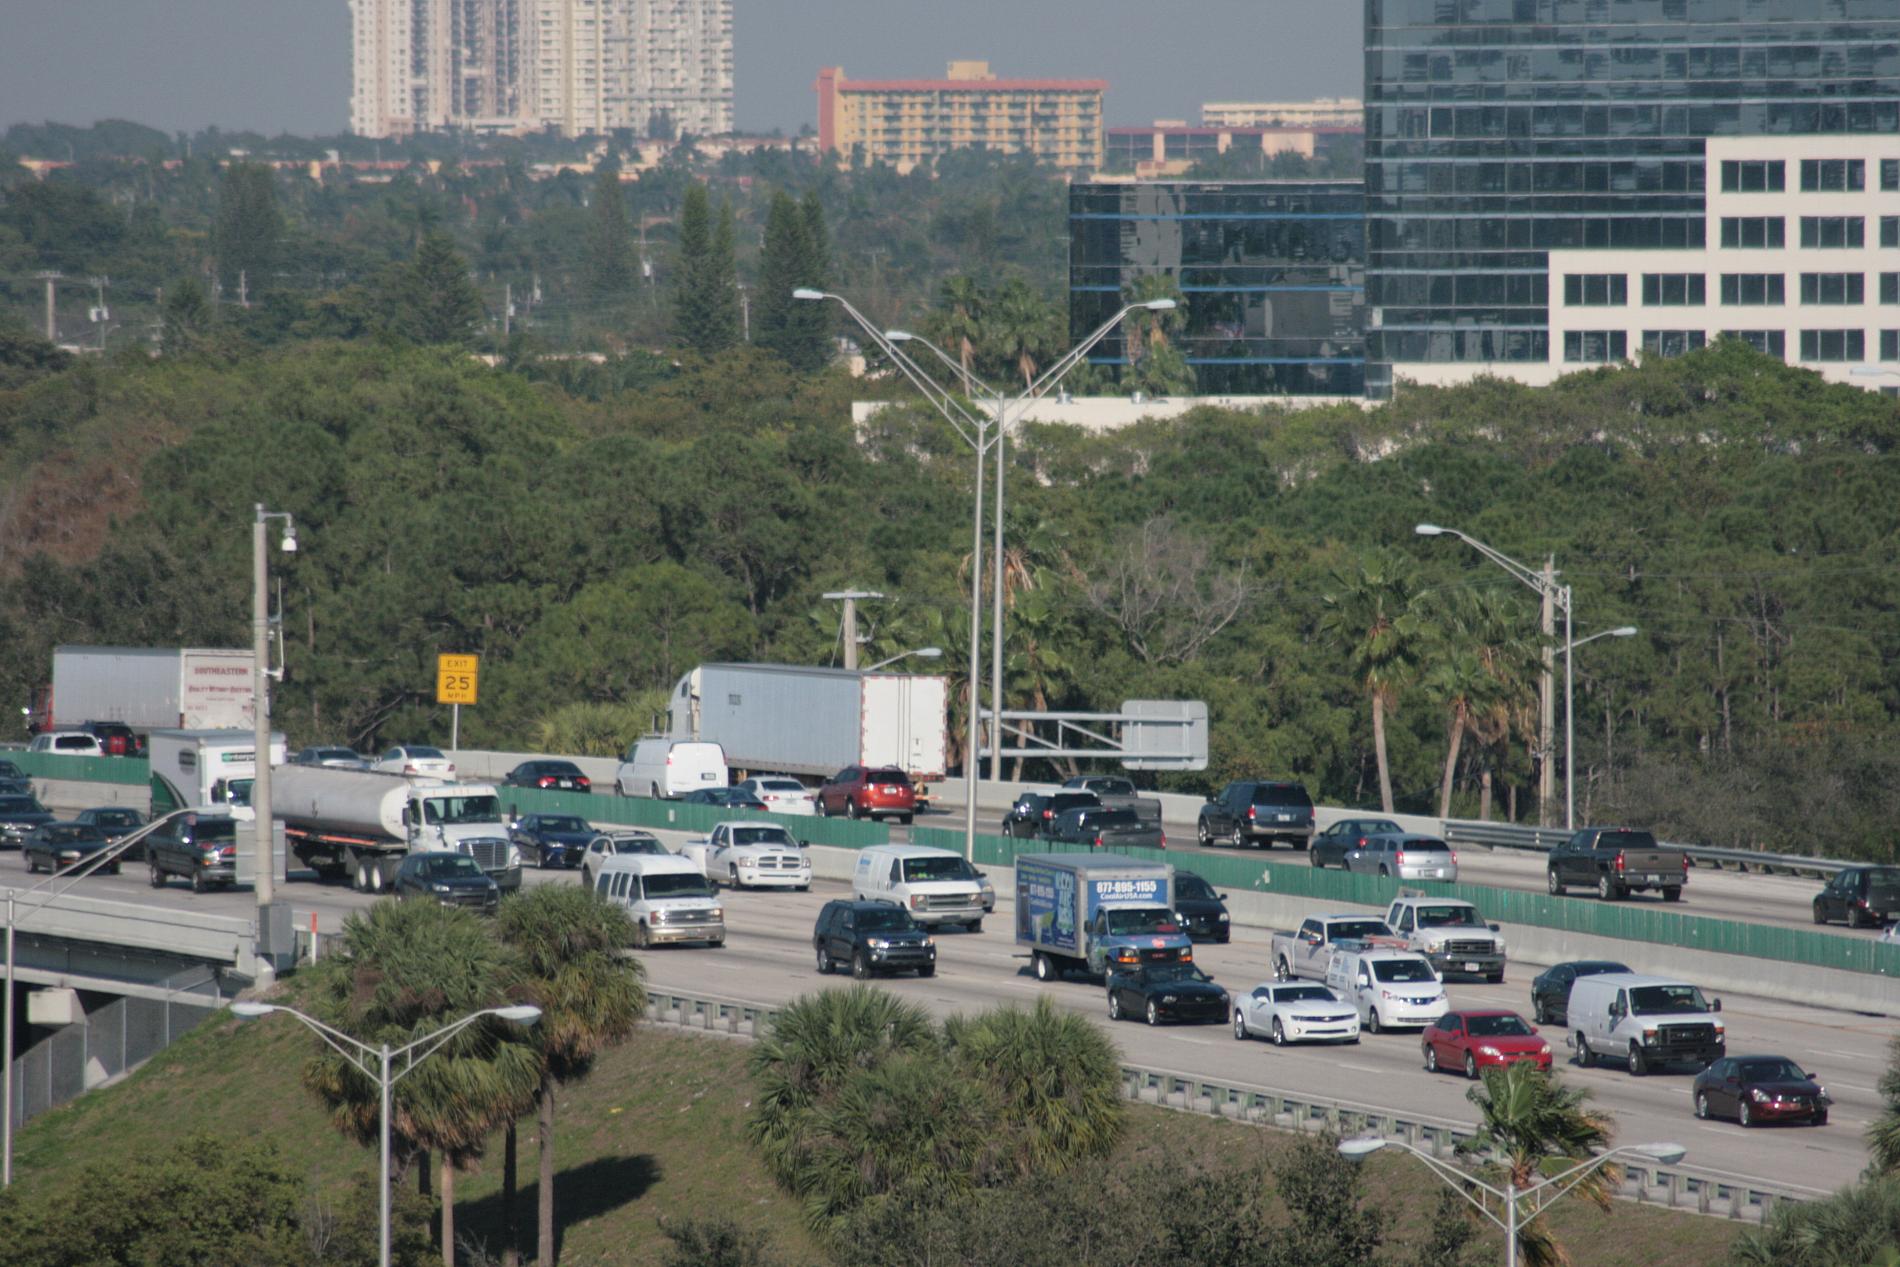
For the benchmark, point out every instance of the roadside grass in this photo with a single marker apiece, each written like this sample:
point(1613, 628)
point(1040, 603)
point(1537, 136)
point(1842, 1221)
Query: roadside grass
point(659, 1131)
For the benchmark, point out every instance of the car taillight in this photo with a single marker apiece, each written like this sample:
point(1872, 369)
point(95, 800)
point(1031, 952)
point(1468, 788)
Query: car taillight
point(1164, 840)
point(548, 782)
point(1619, 861)
point(1362, 842)
point(1098, 841)
point(1250, 813)
point(1401, 857)
point(584, 783)
point(1048, 813)
point(1685, 864)
point(1454, 855)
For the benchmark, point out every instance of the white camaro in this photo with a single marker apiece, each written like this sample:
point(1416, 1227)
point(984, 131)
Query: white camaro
point(1295, 1012)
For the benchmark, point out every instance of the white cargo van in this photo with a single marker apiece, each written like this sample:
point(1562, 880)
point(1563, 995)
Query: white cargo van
point(668, 898)
point(1647, 1021)
point(935, 885)
point(1389, 987)
point(670, 768)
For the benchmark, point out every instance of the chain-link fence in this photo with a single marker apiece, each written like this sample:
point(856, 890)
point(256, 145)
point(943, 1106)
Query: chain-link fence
point(110, 1040)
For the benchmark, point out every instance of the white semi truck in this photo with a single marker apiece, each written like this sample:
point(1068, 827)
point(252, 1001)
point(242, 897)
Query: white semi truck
point(361, 823)
point(147, 688)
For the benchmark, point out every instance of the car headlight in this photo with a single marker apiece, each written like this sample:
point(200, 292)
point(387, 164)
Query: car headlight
point(930, 941)
point(879, 943)
point(1544, 1050)
point(1169, 998)
point(1224, 917)
point(439, 888)
point(1492, 1052)
point(1758, 1095)
point(719, 912)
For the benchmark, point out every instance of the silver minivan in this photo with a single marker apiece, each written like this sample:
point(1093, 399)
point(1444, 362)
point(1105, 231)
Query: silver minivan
point(1404, 857)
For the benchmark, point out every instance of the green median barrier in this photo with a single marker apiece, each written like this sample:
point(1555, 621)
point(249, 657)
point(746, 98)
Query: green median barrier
point(644, 811)
point(71, 769)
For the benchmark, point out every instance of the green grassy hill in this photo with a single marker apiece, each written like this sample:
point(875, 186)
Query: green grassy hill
point(659, 1131)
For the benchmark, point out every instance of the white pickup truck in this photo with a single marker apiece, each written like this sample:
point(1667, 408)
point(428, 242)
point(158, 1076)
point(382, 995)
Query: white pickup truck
point(1450, 933)
point(751, 855)
point(1308, 951)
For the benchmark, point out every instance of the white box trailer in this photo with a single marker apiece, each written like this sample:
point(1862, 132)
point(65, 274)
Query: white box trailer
point(207, 769)
point(151, 688)
point(773, 718)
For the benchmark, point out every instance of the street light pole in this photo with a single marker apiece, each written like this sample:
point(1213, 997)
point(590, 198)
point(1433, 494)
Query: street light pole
point(383, 1054)
point(1570, 706)
point(261, 676)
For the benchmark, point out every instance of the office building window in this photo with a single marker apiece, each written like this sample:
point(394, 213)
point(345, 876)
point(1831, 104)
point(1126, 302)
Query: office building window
point(1595, 346)
point(1833, 175)
point(1748, 177)
point(1890, 230)
point(1833, 288)
point(1754, 232)
point(1672, 342)
point(1889, 175)
point(1596, 290)
point(1754, 288)
point(1890, 288)
point(1833, 345)
point(1772, 342)
point(1674, 289)
point(1889, 350)
point(1832, 231)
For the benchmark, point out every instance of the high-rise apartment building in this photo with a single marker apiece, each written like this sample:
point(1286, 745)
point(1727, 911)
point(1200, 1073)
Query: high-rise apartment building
point(1321, 112)
point(907, 121)
point(1551, 182)
point(515, 65)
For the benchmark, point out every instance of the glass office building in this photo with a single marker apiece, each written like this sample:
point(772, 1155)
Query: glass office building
point(1273, 273)
point(1500, 131)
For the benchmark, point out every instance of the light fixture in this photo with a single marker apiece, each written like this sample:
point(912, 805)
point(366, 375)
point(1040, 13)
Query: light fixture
point(1666, 1154)
point(899, 336)
point(1429, 530)
point(1360, 1147)
point(1159, 305)
point(289, 544)
point(806, 292)
point(521, 1013)
point(250, 1010)
point(1623, 631)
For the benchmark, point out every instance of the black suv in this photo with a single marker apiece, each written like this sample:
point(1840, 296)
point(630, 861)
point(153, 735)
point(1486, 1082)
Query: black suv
point(1249, 811)
point(200, 847)
point(872, 937)
point(1859, 896)
point(1202, 911)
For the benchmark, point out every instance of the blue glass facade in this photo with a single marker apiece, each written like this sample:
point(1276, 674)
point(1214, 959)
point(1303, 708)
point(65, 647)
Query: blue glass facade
point(1273, 273)
point(1499, 130)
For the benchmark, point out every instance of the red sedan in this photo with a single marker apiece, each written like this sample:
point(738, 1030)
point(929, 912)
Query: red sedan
point(868, 792)
point(1472, 1040)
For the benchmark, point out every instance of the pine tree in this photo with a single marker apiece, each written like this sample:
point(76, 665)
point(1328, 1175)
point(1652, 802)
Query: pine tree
point(248, 227)
point(431, 299)
point(610, 256)
point(705, 316)
point(798, 331)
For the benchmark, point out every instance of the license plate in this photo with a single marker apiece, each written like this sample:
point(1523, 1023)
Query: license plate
point(707, 775)
point(567, 783)
point(1286, 818)
point(1653, 879)
point(1472, 967)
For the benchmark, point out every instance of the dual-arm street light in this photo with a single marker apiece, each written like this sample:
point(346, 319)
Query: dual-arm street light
point(975, 430)
point(1538, 1197)
point(375, 1063)
point(261, 675)
point(1559, 596)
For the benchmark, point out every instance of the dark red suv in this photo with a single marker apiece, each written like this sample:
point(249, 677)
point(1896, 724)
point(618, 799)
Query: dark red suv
point(865, 792)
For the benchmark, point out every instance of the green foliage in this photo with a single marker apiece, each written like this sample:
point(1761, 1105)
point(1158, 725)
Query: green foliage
point(705, 280)
point(1883, 1133)
point(248, 228)
point(1540, 1127)
point(713, 1242)
point(611, 266)
point(431, 299)
point(1858, 1226)
point(794, 256)
point(568, 940)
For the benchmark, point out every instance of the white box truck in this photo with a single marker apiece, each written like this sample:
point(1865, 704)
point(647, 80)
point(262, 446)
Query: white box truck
point(147, 688)
point(361, 823)
point(779, 718)
point(207, 769)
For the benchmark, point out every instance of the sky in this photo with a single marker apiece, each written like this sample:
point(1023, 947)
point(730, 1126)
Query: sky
point(283, 65)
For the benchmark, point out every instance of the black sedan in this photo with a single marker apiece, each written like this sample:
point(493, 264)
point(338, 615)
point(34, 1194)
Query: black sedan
point(10, 771)
point(1172, 991)
point(552, 840)
point(1550, 989)
point(725, 797)
point(453, 879)
point(1757, 1089)
point(56, 845)
point(549, 775)
point(18, 816)
point(1330, 847)
point(1202, 911)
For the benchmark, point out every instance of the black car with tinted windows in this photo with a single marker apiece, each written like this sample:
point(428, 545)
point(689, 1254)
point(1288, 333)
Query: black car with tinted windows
point(1860, 897)
point(727, 797)
point(53, 846)
point(10, 771)
point(1201, 910)
point(19, 815)
point(1550, 989)
point(552, 840)
point(1165, 991)
point(1758, 1089)
point(452, 879)
point(870, 938)
point(549, 775)
point(200, 847)
point(1250, 811)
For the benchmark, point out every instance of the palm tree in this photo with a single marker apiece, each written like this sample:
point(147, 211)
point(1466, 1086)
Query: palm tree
point(568, 942)
point(407, 970)
point(959, 322)
point(813, 1046)
point(1459, 683)
point(1883, 1136)
point(1154, 364)
point(1367, 612)
point(1538, 1126)
point(1057, 1076)
point(1021, 327)
point(1037, 666)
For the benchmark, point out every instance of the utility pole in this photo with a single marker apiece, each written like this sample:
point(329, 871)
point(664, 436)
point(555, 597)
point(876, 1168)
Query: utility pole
point(244, 295)
point(850, 599)
point(100, 314)
point(507, 306)
point(52, 330)
point(1546, 728)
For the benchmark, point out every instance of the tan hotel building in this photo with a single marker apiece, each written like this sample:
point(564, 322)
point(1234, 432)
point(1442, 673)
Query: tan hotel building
point(907, 121)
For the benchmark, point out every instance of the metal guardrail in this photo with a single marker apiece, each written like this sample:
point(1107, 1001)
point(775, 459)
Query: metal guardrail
point(1674, 1187)
point(1543, 839)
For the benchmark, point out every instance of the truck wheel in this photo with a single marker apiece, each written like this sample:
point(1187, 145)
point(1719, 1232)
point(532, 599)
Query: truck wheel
point(1283, 970)
point(850, 809)
point(1043, 968)
point(1372, 1021)
point(1551, 881)
point(975, 925)
point(640, 939)
point(1201, 837)
point(928, 970)
point(824, 962)
point(1114, 1006)
point(1585, 1057)
point(1672, 895)
point(157, 877)
point(1606, 889)
point(1239, 840)
point(860, 966)
point(733, 879)
point(1497, 978)
point(904, 819)
point(1154, 1015)
point(198, 884)
point(1638, 1064)
point(359, 877)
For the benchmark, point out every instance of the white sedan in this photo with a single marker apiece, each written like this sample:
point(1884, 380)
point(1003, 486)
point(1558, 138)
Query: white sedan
point(1294, 1012)
point(416, 760)
point(781, 794)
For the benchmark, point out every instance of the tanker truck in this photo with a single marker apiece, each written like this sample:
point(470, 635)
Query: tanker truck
point(360, 823)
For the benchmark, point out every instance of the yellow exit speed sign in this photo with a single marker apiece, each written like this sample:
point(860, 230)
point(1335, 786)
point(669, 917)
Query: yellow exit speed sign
point(455, 678)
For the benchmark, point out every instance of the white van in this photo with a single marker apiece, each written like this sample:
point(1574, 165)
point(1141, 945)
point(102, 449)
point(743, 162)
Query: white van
point(1646, 1021)
point(667, 897)
point(936, 886)
point(670, 768)
point(1389, 987)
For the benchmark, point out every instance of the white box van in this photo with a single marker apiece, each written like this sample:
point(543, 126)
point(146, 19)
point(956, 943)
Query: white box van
point(670, 768)
point(1389, 987)
point(1646, 1021)
point(667, 897)
point(935, 885)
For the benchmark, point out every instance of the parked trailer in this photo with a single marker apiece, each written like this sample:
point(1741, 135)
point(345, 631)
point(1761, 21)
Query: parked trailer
point(773, 718)
point(1089, 912)
point(361, 823)
point(147, 688)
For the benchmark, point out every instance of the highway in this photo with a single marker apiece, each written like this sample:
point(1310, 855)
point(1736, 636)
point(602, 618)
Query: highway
point(769, 961)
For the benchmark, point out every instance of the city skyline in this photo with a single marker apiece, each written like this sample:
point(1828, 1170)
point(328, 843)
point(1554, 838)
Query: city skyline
point(222, 61)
